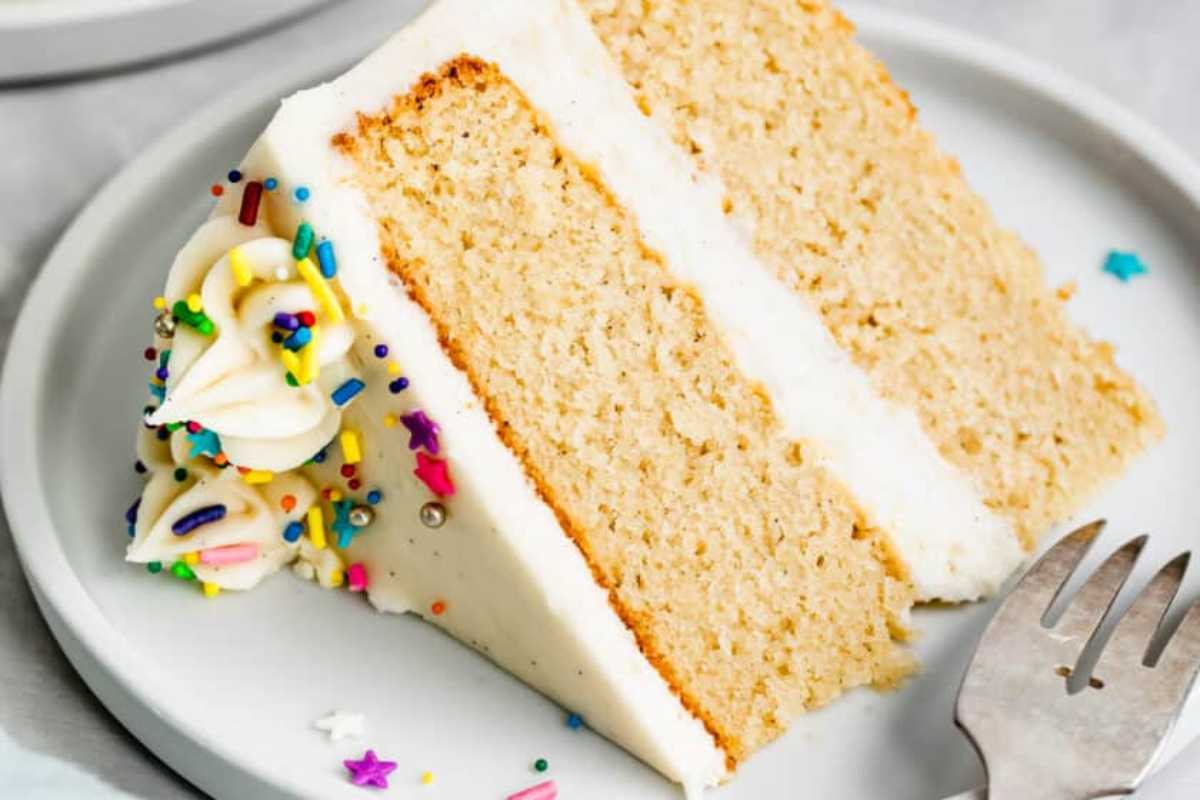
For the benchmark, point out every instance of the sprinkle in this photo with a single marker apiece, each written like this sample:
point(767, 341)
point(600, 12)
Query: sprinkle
point(221, 460)
point(195, 319)
point(217, 190)
point(162, 433)
point(320, 456)
point(287, 503)
point(194, 303)
point(154, 567)
point(351, 453)
point(270, 184)
point(292, 532)
point(229, 554)
point(306, 318)
point(132, 511)
point(369, 770)
point(276, 337)
point(310, 362)
point(160, 393)
point(303, 241)
point(210, 589)
point(340, 725)
point(161, 373)
point(299, 338)
point(285, 321)
point(327, 259)
point(426, 778)
point(347, 391)
point(336, 578)
point(251, 195)
point(355, 484)
point(258, 476)
point(423, 430)
point(291, 361)
point(435, 473)
point(204, 442)
point(201, 516)
point(191, 558)
point(192, 426)
point(393, 368)
point(381, 351)
point(347, 470)
point(374, 496)
point(433, 515)
point(160, 303)
point(342, 527)
point(574, 721)
point(333, 494)
point(397, 386)
point(302, 193)
point(357, 575)
point(316, 527)
point(438, 607)
point(234, 176)
point(139, 467)
point(182, 571)
point(180, 474)
point(320, 289)
point(542, 791)
point(541, 765)
point(291, 380)
point(240, 266)
point(389, 421)
point(150, 354)
point(1124, 265)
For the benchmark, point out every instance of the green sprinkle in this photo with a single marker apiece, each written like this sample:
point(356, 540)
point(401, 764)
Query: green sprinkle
point(154, 567)
point(195, 319)
point(174, 426)
point(182, 571)
point(180, 474)
point(291, 379)
point(303, 242)
point(541, 765)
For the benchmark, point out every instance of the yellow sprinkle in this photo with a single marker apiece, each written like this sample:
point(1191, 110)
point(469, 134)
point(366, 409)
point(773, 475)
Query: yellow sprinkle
point(389, 421)
point(393, 368)
point(240, 266)
point(337, 578)
point(191, 559)
point(310, 362)
point(210, 589)
point(255, 476)
point(351, 453)
point(316, 527)
point(160, 302)
point(426, 778)
point(193, 302)
point(322, 291)
point(291, 362)
point(335, 495)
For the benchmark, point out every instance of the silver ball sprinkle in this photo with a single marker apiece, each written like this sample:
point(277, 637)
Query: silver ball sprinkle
point(361, 516)
point(164, 325)
point(433, 515)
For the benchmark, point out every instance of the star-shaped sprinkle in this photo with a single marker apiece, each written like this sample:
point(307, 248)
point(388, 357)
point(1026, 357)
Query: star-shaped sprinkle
point(204, 442)
point(1124, 265)
point(342, 527)
point(424, 431)
point(435, 473)
point(370, 771)
point(341, 725)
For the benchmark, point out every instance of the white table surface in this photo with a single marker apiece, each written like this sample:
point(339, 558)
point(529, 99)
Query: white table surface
point(61, 141)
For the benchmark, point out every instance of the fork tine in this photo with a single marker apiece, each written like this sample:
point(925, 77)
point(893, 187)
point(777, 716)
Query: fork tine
point(1131, 640)
point(1087, 609)
point(1180, 660)
point(1040, 586)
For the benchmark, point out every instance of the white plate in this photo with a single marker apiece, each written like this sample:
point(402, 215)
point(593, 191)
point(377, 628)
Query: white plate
point(42, 39)
point(226, 690)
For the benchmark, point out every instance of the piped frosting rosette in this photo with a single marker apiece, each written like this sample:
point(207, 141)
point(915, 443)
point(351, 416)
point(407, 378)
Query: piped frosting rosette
point(245, 400)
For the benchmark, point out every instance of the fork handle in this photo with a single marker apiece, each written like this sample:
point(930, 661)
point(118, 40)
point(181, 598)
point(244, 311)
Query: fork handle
point(1019, 782)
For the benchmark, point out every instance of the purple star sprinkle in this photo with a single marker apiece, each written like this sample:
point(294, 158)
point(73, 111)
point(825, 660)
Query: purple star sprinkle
point(424, 431)
point(370, 771)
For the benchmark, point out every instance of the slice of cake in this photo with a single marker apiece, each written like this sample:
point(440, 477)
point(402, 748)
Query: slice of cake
point(472, 332)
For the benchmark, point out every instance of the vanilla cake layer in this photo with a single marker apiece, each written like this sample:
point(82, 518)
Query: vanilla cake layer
point(850, 202)
point(746, 573)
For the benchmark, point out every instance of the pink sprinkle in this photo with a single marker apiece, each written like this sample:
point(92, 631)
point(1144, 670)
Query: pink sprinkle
point(356, 574)
point(230, 554)
point(543, 791)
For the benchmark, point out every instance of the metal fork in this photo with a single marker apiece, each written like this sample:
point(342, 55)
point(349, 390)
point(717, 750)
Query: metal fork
point(1038, 741)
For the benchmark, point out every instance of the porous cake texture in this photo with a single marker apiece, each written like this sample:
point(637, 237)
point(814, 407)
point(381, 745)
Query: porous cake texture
point(851, 203)
point(747, 574)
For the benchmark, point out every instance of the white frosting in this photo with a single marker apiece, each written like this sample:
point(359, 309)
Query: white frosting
point(514, 585)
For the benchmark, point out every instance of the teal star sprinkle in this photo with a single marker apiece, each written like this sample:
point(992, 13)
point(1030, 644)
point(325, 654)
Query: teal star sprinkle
point(341, 523)
point(204, 442)
point(1124, 265)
